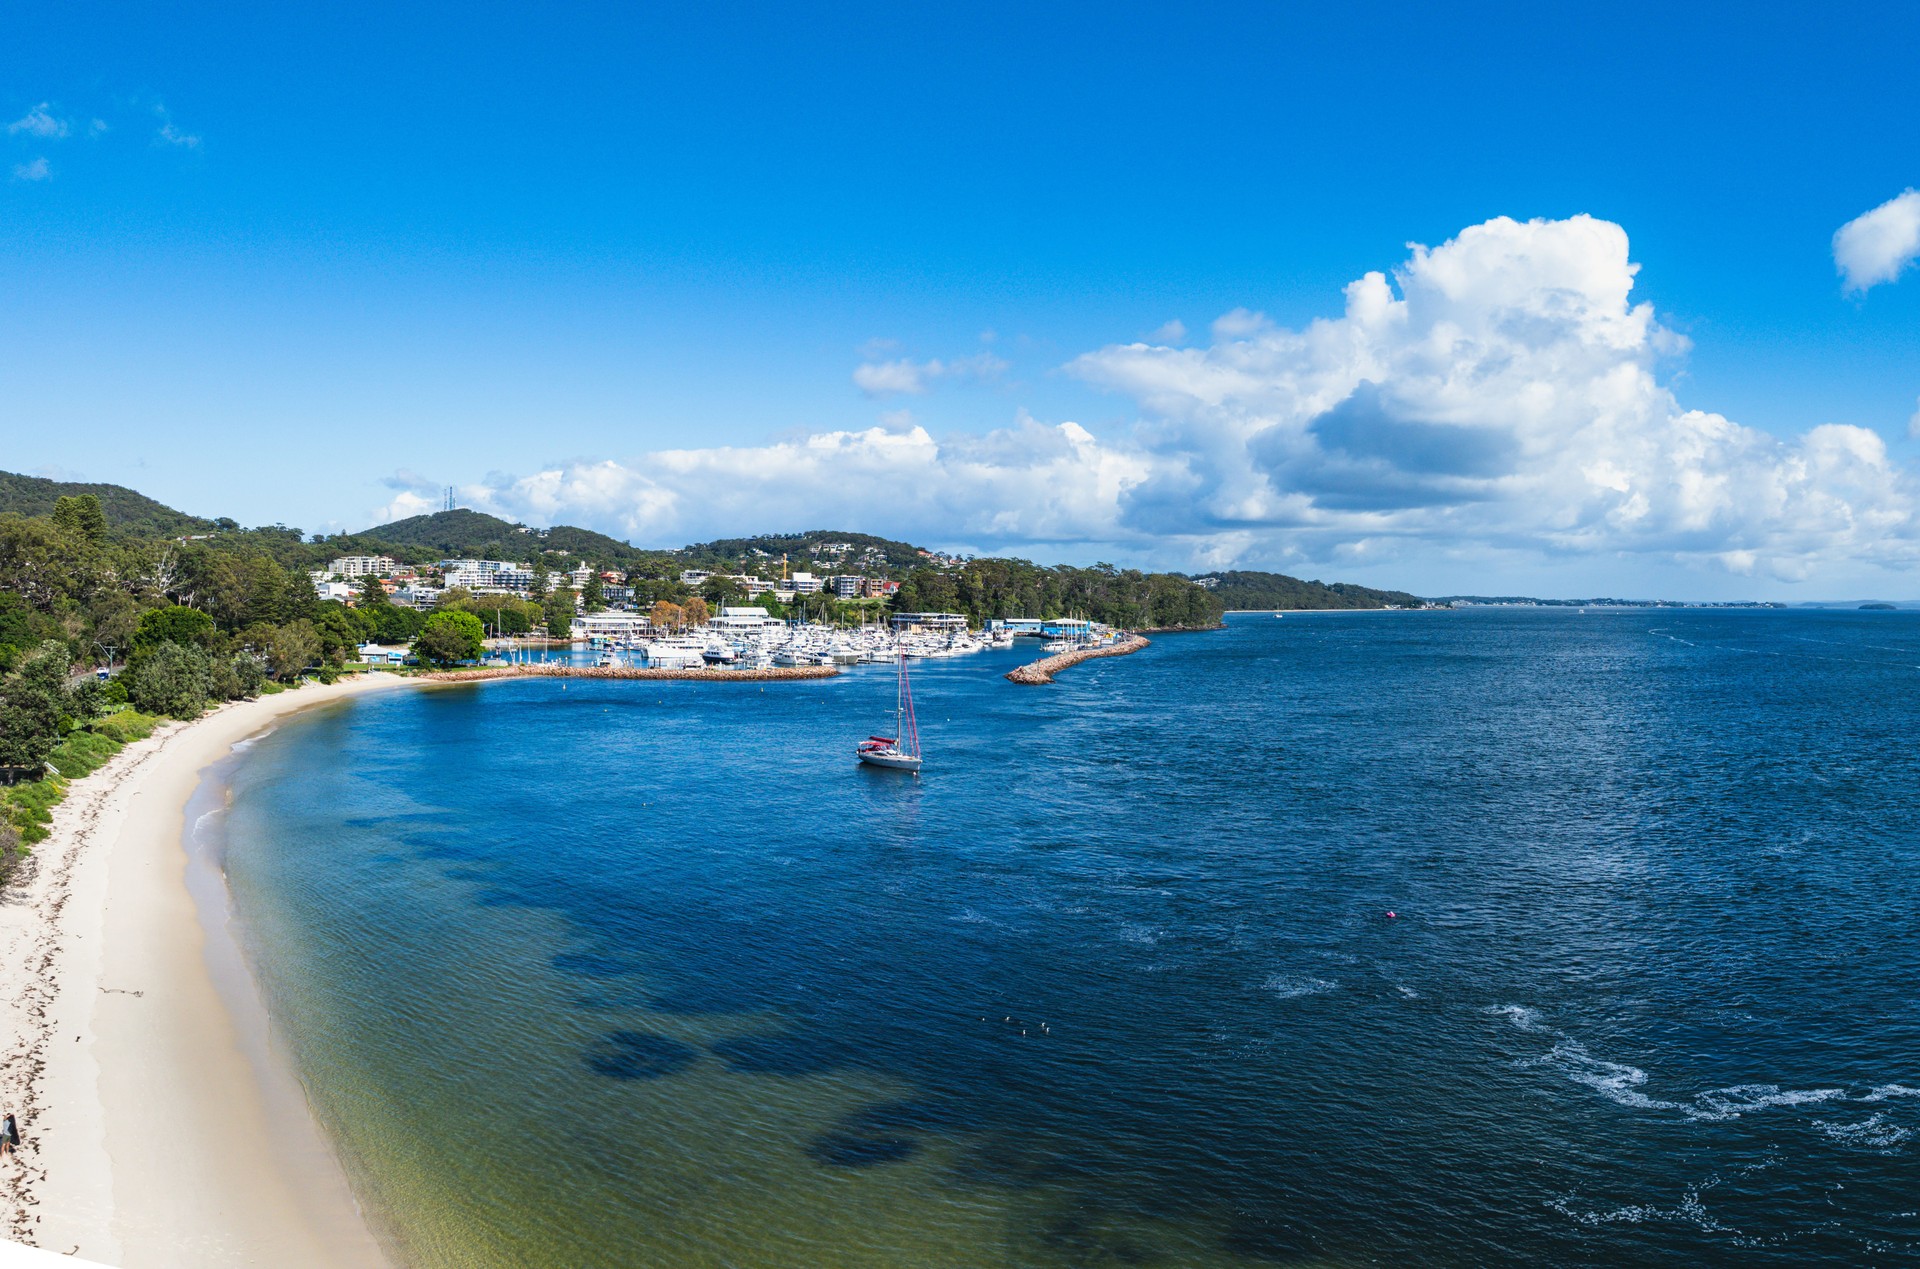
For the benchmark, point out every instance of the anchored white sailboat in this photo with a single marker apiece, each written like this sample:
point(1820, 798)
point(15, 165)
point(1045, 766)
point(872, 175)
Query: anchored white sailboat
point(900, 751)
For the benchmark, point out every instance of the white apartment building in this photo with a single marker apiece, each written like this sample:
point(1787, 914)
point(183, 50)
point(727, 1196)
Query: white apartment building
point(805, 584)
point(847, 587)
point(363, 566)
point(478, 575)
point(418, 596)
point(694, 576)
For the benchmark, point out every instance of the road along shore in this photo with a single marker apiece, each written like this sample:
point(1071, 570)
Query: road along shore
point(1043, 670)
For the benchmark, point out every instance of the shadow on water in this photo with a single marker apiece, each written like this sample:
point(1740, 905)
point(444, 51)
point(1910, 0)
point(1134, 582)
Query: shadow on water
point(635, 1055)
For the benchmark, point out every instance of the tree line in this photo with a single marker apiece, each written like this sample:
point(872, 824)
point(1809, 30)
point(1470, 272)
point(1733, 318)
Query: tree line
point(984, 589)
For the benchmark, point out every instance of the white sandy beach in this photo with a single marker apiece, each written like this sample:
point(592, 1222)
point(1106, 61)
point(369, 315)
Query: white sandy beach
point(157, 1129)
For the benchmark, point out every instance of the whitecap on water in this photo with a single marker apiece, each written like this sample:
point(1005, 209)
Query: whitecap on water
point(1615, 1081)
point(1744, 1099)
point(1881, 1092)
point(1289, 986)
point(1524, 1017)
point(1874, 1131)
point(1622, 1083)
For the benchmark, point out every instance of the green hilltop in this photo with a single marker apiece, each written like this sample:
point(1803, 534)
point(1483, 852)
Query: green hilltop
point(1244, 590)
point(128, 513)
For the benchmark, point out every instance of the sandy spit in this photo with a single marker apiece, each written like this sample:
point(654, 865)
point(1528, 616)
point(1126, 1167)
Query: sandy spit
point(157, 1129)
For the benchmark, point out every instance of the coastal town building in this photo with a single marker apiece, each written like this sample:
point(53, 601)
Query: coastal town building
point(845, 586)
point(487, 575)
point(694, 576)
point(806, 584)
point(611, 625)
point(327, 590)
point(742, 620)
point(928, 622)
point(417, 595)
point(354, 566)
point(878, 588)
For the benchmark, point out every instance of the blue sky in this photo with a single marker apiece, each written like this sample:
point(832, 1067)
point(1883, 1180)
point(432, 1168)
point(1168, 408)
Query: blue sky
point(626, 268)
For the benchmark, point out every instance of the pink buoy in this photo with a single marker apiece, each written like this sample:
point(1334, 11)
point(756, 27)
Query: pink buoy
point(1392, 915)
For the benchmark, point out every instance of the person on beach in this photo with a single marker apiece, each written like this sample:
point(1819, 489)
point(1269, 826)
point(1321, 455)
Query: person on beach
point(9, 1135)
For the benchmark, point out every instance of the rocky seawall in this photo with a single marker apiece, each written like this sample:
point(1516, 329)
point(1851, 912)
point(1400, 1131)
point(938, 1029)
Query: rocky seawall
point(1043, 670)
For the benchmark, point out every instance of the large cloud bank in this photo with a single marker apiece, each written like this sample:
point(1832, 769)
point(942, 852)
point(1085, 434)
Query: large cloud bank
point(1497, 393)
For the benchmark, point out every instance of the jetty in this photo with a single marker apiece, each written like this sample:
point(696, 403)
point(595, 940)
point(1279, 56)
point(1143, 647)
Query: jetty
point(1043, 670)
point(704, 674)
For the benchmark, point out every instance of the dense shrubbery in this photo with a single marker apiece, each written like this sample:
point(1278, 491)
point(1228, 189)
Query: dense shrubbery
point(25, 809)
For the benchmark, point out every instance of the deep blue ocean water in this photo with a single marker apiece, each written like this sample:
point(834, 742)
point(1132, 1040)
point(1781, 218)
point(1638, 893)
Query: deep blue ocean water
point(612, 973)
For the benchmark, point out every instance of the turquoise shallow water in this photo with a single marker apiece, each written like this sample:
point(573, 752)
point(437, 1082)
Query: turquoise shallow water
point(623, 973)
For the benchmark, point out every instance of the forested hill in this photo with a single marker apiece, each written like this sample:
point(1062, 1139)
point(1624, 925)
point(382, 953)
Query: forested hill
point(128, 513)
point(836, 550)
point(1262, 591)
point(466, 534)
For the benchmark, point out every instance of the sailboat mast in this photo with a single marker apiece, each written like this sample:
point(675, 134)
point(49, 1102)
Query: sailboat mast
point(910, 727)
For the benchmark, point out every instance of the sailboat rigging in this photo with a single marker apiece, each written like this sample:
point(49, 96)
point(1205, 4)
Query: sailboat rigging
point(900, 751)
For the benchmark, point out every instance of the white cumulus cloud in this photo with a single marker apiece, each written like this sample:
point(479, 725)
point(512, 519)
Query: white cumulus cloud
point(36, 170)
point(1497, 397)
point(1028, 484)
point(1499, 392)
point(1875, 247)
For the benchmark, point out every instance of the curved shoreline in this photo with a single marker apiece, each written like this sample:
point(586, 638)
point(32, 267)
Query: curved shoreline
point(1034, 673)
point(153, 1121)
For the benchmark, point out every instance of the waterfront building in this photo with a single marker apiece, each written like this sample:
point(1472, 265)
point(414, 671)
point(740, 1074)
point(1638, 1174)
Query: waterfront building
point(384, 653)
point(742, 620)
point(578, 578)
point(806, 584)
point(612, 625)
point(753, 585)
point(878, 588)
point(845, 587)
point(929, 622)
point(617, 594)
point(354, 566)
